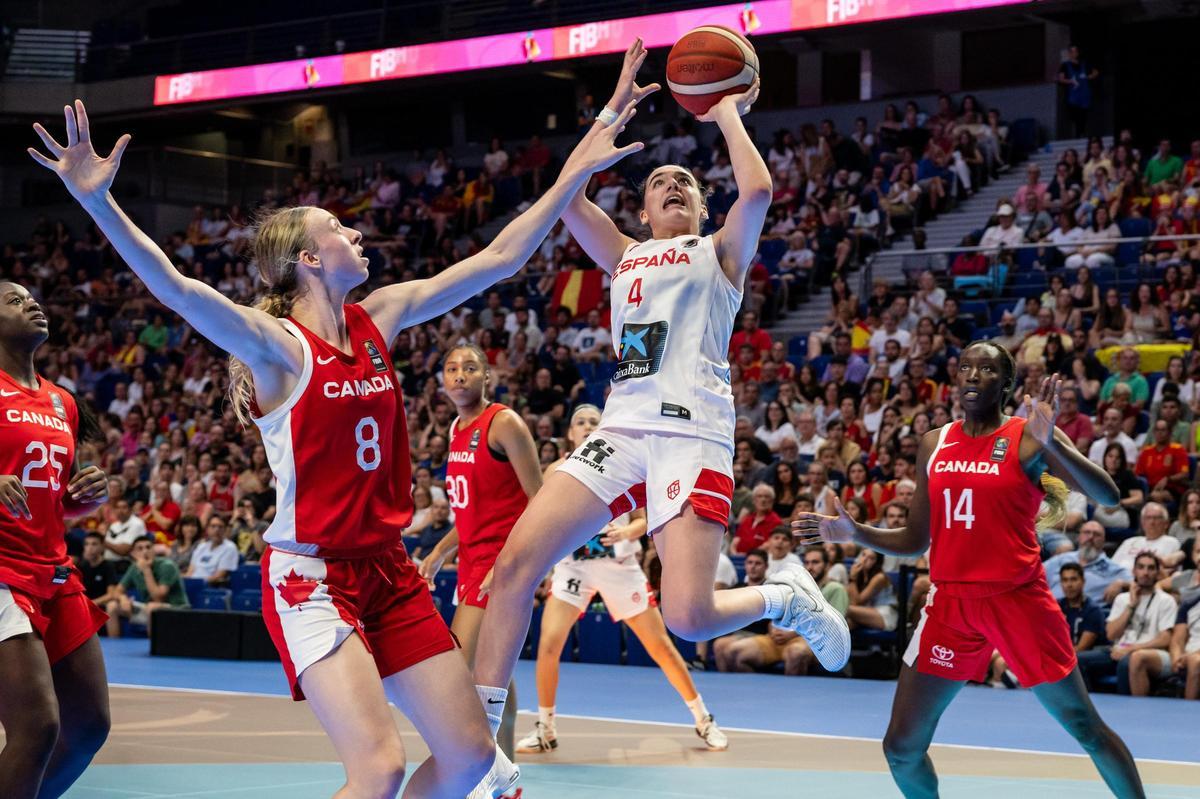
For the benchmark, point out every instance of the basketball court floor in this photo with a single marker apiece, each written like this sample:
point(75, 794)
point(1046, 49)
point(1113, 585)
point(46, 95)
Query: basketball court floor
point(192, 728)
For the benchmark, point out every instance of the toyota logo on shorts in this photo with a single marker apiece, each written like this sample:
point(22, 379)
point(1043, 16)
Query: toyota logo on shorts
point(943, 653)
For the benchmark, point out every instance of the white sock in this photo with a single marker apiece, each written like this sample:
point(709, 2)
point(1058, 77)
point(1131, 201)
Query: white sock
point(546, 716)
point(699, 711)
point(493, 700)
point(775, 598)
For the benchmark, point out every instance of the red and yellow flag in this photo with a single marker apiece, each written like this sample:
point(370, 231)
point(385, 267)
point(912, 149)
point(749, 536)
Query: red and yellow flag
point(580, 290)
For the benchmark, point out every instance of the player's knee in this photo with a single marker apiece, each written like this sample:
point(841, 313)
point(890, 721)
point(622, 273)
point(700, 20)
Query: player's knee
point(515, 570)
point(1084, 726)
point(37, 728)
point(383, 775)
point(88, 732)
point(477, 760)
point(690, 621)
point(902, 748)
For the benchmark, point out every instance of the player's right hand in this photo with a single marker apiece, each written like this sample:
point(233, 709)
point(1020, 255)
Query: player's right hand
point(627, 88)
point(813, 528)
point(13, 497)
point(82, 171)
point(429, 568)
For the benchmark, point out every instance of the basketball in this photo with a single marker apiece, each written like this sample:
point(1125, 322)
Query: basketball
point(708, 63)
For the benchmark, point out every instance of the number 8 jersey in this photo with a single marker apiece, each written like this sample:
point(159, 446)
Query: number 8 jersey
point(338, 446)
point(672, 318)
point(983, 508)
point(37, 445)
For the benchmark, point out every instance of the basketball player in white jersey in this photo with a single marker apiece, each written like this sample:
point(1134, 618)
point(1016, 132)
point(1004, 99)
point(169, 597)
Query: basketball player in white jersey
point(607, 564)
point(665, 439)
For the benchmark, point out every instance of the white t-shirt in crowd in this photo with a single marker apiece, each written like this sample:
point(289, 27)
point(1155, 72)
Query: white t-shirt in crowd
point(774, 565)
point(881, 336)
point(207, 560)
point(589, 337)
point(773, 438)
point(726, 571)
point(125, 532)
point(1153, 614)
point(1130, 548)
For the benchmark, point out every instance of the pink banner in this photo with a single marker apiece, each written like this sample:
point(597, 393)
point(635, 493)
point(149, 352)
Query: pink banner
point(542, 45)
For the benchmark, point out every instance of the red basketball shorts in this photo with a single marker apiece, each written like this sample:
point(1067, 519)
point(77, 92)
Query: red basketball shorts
point(957, 635)
point(312, 604)
point(63, 622)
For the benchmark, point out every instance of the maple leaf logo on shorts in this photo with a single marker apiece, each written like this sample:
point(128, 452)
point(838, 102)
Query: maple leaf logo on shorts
point(296, 589)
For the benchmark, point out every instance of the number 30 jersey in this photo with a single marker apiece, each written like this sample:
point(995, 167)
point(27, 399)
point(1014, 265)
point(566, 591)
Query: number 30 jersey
point(338, 446)
point(37, 446)
point(672, 318)
point(983, 508)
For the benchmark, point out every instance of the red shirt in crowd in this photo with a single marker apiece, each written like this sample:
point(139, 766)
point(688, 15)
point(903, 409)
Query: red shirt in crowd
point(758, 338)
point(751, 533)
point(1154, 463)
point(1078, 428)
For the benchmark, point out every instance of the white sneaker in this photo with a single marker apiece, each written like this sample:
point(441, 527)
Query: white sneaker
point(503, 776)
point(808, 614)
point(542, 739)
point(713, 738)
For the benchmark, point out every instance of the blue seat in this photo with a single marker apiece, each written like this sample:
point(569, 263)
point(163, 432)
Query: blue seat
point(772, 251)
point(798, 346)
point(194, 587)
point(215, 599)
point(443, 586)
point(247, 577)
point(599, 639)
point(687, 649)
point(991, 283)
point(1152, 379)
point(248, 600)
point(529, 650)
point(1131, 252)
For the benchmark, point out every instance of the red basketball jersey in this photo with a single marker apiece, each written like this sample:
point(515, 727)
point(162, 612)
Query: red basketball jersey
point(339, 449)
point(37, 444)
point(982, 512)
point(484, 492)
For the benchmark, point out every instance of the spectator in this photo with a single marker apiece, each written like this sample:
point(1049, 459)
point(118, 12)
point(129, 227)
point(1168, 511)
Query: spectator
point(1187, 526)
point(121, 533)
point(929, 299)
point(856, 366)
point(437, 528)
point(1032, 218)
point(1166, 548)
point(730, 650)
point(872, 597)
point(1184, 649)
point(216, 557)
point(99, 575)
point(246, 531)
point(775, 427)
point(1140, 623)
point(779, 550)
point(1110, 324)
point(1163, 465)
point(161, 514)
point(1077, 426)
point(1099, 243)
point(184, 545)
point(756, 527)
point(592, 343)
point(750, 333)
point(1163, 168)
point(1084, 617)
point(1103, 578)
point(1127, 373)
point(149, 584)
point(1004, 235)
point(1122, 515)
point(806, 435)
point(1034, 186)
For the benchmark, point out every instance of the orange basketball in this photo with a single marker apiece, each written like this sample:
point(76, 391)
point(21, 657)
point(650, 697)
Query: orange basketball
point(708, 63)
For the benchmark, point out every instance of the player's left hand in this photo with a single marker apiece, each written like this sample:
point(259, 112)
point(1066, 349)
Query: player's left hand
point(89, 486)
point(738, 102)
point(813, 528)
point(486, 586)
point(598, 150)
point(1040, 413)
point(615, 533)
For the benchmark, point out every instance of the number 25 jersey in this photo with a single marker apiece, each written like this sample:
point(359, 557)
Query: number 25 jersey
point(983, 509)
point(672, 318)
point(338, 447)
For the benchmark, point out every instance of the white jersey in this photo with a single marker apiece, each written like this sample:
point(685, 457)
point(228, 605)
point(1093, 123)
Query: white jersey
point(672, 318)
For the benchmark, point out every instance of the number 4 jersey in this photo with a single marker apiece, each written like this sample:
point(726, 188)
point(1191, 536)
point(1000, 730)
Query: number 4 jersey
point(37, 445)
point(672, 317)
point(339, 448)
point(983, 507)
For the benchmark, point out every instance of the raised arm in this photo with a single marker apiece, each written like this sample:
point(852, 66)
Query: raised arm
point(396, 307)
point(252, 336)
point(591, 227)
point(737, 240)
point(511, 436)
point(912, 539)
point(1063, 459)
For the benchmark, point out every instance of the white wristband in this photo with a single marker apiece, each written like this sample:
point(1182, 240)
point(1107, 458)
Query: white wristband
point(607, 116)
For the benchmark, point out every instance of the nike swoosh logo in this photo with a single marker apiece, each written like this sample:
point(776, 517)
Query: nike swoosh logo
point(495, 701)
point(4, 393)
point(949, 444)
point(323, 361)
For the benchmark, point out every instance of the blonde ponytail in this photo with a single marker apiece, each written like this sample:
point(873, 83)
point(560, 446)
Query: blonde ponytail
point(1055, 500)
point(279, 238)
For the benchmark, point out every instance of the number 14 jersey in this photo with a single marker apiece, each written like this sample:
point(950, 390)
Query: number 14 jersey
point(983, 508)
point(672, 318)
point(338, 447)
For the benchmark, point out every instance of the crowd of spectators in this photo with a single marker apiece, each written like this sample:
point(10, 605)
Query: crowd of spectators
point(838, 413)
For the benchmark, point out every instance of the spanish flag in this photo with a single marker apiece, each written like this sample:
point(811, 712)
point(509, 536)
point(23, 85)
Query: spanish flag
point(580, 290)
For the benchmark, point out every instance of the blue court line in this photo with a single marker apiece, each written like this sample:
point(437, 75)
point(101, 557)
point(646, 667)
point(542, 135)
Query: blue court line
point(982, 717)
point(320, 780)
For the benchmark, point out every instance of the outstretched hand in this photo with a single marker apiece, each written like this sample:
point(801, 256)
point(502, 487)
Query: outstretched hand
point(598, 150)
point(1041, 413)
point(813, 528)
point(83, 172)
point(740, 103)
point(627, 87)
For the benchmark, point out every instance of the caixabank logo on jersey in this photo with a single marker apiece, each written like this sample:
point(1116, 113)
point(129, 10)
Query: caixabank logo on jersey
point(640, 350)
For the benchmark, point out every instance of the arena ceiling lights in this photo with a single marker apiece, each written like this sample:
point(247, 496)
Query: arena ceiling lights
point(541, 45)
